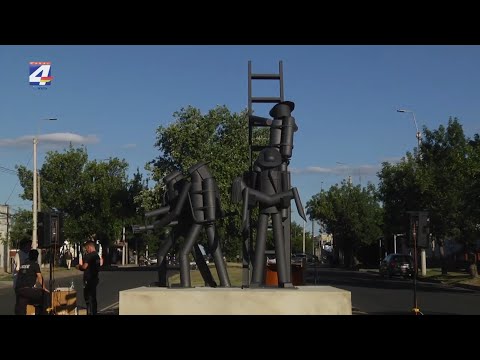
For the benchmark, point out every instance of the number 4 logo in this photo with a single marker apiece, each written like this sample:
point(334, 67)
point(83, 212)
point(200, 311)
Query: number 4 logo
point(40, 73)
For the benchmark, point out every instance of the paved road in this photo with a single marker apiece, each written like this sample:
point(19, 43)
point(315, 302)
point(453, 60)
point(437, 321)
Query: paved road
point(111, 282)
point(372, 294)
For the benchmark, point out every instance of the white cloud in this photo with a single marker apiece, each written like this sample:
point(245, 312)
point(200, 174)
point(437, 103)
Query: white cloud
point(392, 160)
point(129, 146)
point(52, 139)
point(339, 170)
point(312, 170)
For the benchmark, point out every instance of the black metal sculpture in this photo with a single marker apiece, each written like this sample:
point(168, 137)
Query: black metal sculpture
point(269, 186)
point(176, 216)
point(187, 219)
point(206, 208)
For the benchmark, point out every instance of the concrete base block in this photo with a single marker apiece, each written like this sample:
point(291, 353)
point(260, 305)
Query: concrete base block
point(303, 300)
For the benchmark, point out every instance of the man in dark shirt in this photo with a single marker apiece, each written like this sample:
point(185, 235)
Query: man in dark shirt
point(27, 294)
point(90, 267)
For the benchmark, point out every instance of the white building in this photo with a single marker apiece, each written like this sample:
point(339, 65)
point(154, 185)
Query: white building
point(5, 223)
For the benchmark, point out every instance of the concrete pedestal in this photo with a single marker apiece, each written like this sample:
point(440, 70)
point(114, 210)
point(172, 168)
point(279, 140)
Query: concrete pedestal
point(304, 300)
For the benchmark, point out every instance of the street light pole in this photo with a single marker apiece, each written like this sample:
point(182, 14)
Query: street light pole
point(418, 135)
point(35, 190)
point(34, 210)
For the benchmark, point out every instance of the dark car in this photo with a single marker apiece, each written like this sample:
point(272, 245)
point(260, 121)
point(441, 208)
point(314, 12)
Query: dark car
point(309, 258)
point(397, 264)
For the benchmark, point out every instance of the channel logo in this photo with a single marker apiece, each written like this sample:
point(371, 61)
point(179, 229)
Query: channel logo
point(40, 73)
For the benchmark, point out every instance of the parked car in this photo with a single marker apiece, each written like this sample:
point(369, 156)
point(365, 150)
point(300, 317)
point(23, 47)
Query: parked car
point(309, 258)
point(397, 264)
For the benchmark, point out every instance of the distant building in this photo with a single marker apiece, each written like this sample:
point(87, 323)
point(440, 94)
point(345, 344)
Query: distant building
point(4, 237)
point(326, 238)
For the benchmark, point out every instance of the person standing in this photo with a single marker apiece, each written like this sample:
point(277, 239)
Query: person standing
point(26, 293)
point(90, 267)
point(68, 258)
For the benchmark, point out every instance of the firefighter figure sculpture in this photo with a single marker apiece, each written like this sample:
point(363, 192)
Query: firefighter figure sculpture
point(188, 207)
point(268, 185)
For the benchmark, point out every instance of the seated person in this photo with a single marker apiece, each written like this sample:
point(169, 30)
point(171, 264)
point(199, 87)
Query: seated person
point(27, 294)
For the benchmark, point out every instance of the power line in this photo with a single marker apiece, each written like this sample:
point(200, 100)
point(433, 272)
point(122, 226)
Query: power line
point(18, 180)
point(8, 171)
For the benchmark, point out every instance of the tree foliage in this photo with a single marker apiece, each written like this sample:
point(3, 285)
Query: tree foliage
point(218, 137)
point(21, 226)
point(351, 213)
point(96, 197)
point(440, 178)
point(296, 231)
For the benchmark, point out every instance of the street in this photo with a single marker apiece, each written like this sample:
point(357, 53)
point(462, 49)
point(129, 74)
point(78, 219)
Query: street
point(371, 294)
point(111, 282)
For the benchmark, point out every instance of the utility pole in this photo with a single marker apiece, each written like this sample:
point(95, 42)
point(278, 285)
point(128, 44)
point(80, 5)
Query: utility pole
point(35, 209)
point(35, 191)
point(313, 238)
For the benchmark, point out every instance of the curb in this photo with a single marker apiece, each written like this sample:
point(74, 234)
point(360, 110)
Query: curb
point(434, 281)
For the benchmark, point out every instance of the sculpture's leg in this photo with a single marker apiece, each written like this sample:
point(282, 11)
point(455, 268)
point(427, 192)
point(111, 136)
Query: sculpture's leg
point(220, 265)
point(166, 245)
point(203, 267)
point(246, 256)
point(261, 243)
point(190, 239)
point(282, 267)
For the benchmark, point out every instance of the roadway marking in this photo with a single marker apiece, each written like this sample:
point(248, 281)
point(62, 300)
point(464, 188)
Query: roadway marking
point(356, 311)
point(109, 307)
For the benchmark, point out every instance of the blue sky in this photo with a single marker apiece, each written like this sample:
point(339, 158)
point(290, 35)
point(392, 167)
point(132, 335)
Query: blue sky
point(112, 98)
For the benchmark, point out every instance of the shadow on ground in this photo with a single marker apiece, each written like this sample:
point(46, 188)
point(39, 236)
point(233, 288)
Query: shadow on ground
point(339, 277)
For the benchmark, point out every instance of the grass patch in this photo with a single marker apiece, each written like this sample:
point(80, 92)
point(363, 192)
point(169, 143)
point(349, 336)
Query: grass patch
point(470, 281)
point(6, 277)
point(452, 277)
point(234, 273)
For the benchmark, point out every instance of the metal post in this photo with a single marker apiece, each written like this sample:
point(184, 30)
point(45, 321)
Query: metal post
point(6, 254)
point(423, 260)
point(50, 283)
point(394, 243)
point(415, 270)
point(34, 209)
point(304, 236)
point(313, 240)
point(39, 194)
point(248, 243)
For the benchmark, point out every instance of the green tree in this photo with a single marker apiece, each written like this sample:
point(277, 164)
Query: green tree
point(352, 214)
point(218, 137)
point(400, 190)
point(296, 231)
point(437, 179)
point(96, 197)
point(21, 226)
point(450, 162)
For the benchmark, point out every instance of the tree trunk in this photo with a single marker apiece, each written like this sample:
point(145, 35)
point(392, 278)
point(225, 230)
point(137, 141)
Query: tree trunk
point(443, 260)
point(473, 270)
point(473, 264)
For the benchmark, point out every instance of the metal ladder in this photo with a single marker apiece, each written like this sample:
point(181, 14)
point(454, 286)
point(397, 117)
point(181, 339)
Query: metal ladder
point(248, 255)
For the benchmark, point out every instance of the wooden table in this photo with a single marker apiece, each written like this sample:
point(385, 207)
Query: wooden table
point(64, 301)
